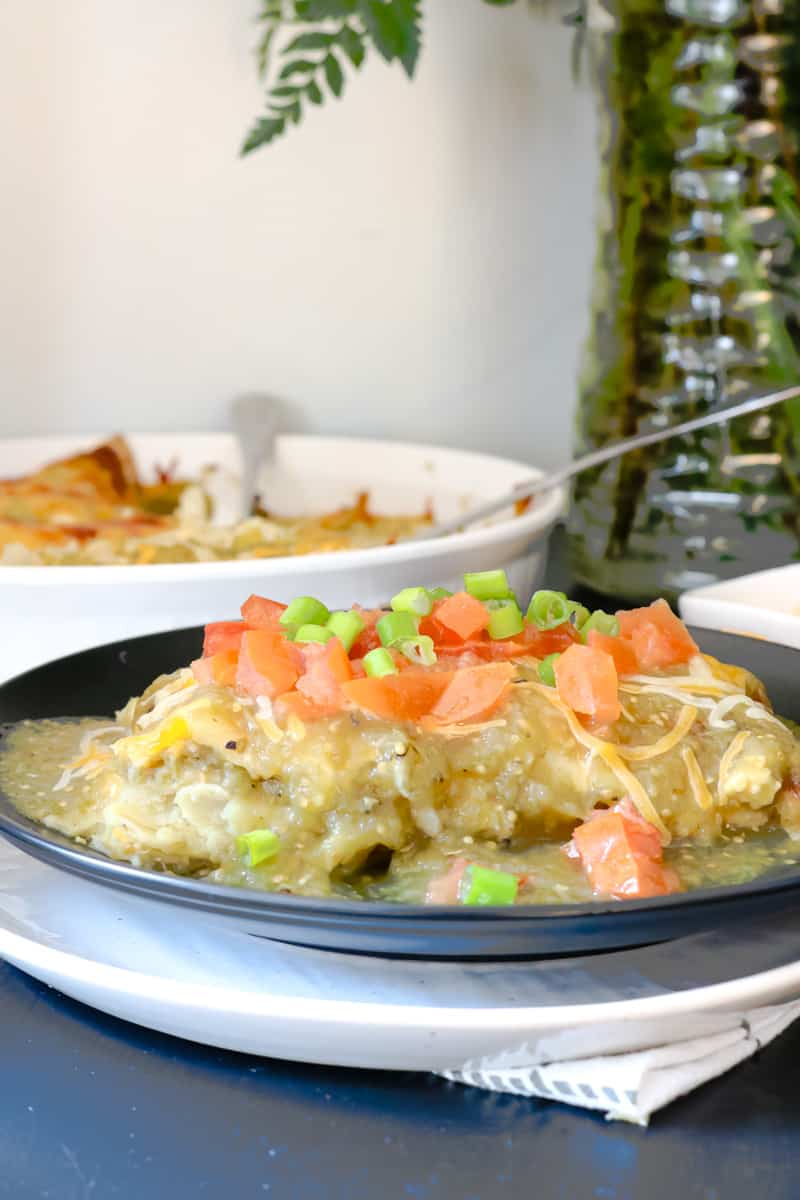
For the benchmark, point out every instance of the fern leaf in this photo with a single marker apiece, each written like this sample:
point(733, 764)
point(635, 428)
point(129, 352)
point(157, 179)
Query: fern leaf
point(298, 66)
point(410, 21)
point(333, 74)
point(380, 21)
point(314, 40)
point(352, 44)
point(344, 31)
point(394, 27)
point(321, 10)
point(264, 131)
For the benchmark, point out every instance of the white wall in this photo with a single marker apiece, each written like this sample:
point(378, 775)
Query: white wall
point(412, 261)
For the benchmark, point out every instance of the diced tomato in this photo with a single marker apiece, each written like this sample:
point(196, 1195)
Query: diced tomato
point(532, 642)
point(473, 694)
point(541, 642)
point(327, 667)
point(218, 668)
point(407, 696)
point(222, 635)
point(440, 634)
point(368, 638)
point(659, 638)
point(586, 679)
point(268, 664)
point(620, 649)
point(462, 615)
point(260, 613)
point(298, 705)
point(444, 888)
point(622, 855)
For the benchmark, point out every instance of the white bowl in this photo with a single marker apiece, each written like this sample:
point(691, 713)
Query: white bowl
point(48, 611)
point(765, 604)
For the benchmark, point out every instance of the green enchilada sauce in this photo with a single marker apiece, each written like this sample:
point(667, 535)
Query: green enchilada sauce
point(33, 755)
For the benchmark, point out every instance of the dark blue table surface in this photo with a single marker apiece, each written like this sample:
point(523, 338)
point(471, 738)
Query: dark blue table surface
point(92, 1107)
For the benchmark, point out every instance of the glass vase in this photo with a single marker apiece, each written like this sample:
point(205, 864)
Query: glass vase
point(697, 293)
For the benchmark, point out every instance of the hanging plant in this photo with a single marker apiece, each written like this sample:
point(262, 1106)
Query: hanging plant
point(324, 38)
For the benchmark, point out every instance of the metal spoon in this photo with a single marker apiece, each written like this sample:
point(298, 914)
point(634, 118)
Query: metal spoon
point(534, 487)
point(255, 418)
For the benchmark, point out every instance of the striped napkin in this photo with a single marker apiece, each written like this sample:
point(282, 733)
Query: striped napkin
point(632, 1079)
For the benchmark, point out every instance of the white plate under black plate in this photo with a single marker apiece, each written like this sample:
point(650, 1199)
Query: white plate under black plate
point(198, 977)
point(99, 681)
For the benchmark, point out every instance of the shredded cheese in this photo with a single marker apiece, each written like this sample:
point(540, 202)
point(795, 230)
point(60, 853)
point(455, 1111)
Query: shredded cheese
point(684, 723)
point(295, 727)
point(610, 756)
point(88, 762)
point(697, 782)
point(143, 749)
point(686, 683)
point(92, 735)
point(728, 757)
point(716, 718)
point(699, 668)
point(671, 694)
point(265, 720)
point(269, 728)
point(171, 696)
point(74, 770)
point(454, 731)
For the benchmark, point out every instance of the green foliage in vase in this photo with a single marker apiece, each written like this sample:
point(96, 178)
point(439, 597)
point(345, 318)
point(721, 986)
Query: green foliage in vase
point(696, 299)
point(326, 40)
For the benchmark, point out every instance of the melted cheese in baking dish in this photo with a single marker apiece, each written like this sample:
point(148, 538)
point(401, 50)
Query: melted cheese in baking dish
point(93, 509)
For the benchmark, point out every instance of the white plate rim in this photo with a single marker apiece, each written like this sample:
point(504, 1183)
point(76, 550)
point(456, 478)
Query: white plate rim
point(47, 963)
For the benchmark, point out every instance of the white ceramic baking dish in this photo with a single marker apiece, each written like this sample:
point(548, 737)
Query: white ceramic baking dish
point(49, 611)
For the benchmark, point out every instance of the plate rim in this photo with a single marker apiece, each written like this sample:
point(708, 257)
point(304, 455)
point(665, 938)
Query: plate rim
point(730, 995)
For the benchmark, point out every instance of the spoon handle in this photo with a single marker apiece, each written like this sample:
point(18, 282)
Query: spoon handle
point(254, 417)
point(533, 487)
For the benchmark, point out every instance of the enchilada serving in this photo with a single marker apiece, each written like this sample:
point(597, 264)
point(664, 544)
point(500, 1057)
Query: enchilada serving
point(452, 749)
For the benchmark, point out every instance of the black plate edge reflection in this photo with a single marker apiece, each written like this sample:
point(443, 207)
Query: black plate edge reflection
point(108, 675)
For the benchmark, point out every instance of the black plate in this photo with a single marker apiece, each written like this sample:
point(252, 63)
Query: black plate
point(100, 681)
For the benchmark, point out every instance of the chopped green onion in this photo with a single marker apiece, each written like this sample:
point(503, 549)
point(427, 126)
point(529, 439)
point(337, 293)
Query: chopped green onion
point(546, 672)
point(484, 886)
point(511, 598)
point(305, 610)
point(549, 609)
point(580, 615)
point(313, 633)
point(438, 593)
point(603, 622)
point(416, 600)
point(506, 621)
point(260, 845)
point(487, 585)
point(379, 662)
point(418, 650)
point(396, 627)
point(346, 626)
